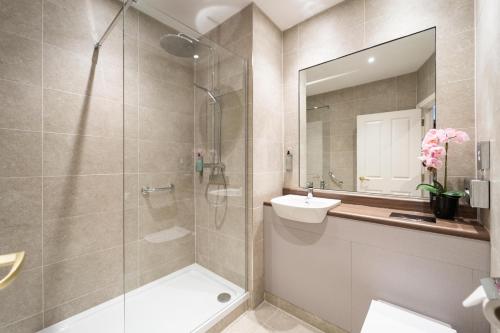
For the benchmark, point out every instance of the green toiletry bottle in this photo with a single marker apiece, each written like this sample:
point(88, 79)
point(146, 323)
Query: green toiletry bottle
point(199, 163)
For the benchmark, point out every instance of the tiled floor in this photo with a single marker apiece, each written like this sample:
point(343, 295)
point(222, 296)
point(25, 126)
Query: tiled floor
point(268, 318)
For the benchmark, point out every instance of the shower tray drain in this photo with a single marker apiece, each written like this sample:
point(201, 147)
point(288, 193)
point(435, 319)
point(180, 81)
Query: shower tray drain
point(223, 297)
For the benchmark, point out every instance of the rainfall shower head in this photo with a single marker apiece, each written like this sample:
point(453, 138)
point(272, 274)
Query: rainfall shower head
point(179, 45)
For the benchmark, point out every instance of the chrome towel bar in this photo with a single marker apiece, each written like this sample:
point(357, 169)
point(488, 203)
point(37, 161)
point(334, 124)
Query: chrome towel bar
point(146, 190)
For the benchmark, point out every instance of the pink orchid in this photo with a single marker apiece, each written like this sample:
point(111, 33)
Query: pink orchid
point(461, 137)
point(432, 162)
point(442, 136)
point(435, 147)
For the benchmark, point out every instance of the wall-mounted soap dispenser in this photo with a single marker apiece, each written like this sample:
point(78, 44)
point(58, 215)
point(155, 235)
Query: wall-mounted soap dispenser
point(288, 161)
point(478, 190)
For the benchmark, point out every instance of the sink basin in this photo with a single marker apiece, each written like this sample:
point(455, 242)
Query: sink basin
point(299, 208)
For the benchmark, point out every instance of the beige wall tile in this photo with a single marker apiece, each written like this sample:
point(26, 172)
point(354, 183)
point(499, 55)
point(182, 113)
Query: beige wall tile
point(165, 125)
point(79, 195)
point(75, 306)
point(21, 59)
point(154, 219)
point(153, 255)
point(77, 114)
point(31, 324)
point(23, 18)
point(455, 57)
point(70, 279)
point(159, 64)
point(158, 157)
point(151, 30)
point(23, 298)
point(80, 155)
point(161, 270)
point(21, 106)
point(67, 71)
point(74, 236)
point(21, 205)
point(159, 94)
point(21, 153)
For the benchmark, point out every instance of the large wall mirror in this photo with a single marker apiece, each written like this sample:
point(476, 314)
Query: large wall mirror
point(362, 117)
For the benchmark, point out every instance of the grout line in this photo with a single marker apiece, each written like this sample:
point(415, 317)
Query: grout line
point(42, 168)
point(18, 82)
point(138, 129)
point(72, 258)
point(104, 288)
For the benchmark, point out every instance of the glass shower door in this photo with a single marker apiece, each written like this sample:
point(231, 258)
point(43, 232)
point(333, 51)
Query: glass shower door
point(185, 147)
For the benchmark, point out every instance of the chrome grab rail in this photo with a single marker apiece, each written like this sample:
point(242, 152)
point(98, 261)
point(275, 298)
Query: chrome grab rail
point(334, 179)
point(146, 189)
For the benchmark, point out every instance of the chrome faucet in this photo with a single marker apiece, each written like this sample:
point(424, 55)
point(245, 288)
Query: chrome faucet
point(310, 192)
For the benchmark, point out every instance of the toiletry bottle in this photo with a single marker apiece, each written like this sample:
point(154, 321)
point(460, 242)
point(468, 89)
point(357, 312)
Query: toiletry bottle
point(289, 161)
point(199, 163)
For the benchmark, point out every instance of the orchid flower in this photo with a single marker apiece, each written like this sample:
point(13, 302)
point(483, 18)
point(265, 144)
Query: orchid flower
point(434, 148)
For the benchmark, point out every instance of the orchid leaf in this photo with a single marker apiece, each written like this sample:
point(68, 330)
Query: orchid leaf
point(454, 194)
point(429, 188)
point(439, 186)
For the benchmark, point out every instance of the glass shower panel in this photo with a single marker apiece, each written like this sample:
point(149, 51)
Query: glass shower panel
point(185, 186)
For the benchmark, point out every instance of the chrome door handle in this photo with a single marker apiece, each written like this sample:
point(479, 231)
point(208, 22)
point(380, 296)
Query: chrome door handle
point(15, 259)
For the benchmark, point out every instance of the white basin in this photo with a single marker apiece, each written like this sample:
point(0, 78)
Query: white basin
point(299, 208)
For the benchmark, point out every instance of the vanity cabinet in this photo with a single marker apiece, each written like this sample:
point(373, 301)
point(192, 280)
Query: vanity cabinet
point(334, 269)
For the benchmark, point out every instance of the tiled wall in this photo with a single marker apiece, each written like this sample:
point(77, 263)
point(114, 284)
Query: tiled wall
point(253, 36)
point(339, 123)
point(160, 138)
point(267, 136)
point(61, 148)
point(221, 223)
point(488, 111)
point(426, 79)
point(357, 24)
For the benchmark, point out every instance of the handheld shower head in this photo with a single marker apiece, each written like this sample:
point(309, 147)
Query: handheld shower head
point(209, 93)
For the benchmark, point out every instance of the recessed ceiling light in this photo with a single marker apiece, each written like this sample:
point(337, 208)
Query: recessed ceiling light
point(315, 107)
point(196, 56)
point(371, 60)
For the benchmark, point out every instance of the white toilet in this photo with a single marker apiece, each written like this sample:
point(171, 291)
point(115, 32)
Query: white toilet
point(384, 317)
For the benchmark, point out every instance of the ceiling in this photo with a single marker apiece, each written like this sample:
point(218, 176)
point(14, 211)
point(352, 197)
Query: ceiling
point(402, 56)
point(203, 15)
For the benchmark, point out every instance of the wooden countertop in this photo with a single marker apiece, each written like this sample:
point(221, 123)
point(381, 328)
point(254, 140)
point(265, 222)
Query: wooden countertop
point(460, 227)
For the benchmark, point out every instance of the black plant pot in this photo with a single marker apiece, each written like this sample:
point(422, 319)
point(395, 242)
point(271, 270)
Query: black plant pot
point(444, 207)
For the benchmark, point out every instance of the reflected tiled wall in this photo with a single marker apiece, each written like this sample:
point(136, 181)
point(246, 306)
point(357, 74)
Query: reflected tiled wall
point(357, 24)
point(488, 111)
point(339, 122)
point(61, 148)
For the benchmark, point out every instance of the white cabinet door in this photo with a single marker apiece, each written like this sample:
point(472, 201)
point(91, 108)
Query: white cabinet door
point(388, 145)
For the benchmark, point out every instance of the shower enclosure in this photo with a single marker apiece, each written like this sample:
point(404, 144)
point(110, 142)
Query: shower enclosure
point(123, 173)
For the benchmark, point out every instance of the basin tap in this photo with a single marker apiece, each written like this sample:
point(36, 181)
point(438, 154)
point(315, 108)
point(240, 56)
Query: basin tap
point(310, 192)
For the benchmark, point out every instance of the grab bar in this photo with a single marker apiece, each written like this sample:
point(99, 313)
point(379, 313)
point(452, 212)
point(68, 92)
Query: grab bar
point(334, 179)
point(15, 260)
point(146, 189)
